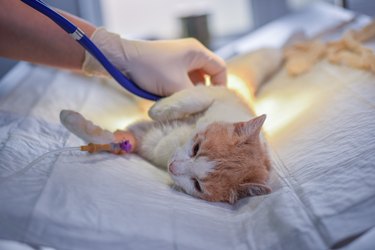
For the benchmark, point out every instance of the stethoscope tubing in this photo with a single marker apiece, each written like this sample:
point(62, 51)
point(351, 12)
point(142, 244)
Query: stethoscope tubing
point(85, 42)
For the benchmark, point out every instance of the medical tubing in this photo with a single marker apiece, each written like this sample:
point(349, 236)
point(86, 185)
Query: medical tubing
point(91, 48)
point(115, 73)
point(37, 160)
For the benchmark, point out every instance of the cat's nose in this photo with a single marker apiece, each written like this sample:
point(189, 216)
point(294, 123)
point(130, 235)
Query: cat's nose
point(172, 168)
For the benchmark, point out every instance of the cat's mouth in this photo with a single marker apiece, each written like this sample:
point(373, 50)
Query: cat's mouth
point(177, 188)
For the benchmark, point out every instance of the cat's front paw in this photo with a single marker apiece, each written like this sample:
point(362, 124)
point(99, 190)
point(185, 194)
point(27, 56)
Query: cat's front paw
point(163, 111)
point(183, 103)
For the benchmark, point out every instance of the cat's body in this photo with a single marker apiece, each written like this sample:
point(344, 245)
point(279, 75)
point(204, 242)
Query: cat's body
point(206, 137)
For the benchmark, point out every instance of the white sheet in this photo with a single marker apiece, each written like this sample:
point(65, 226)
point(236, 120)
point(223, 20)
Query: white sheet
point(323, 178)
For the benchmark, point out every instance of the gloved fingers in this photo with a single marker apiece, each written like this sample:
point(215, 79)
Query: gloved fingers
point(197, 77)
point(220, 78)
point(173, 84)
point(216, 68)
point(212, 65)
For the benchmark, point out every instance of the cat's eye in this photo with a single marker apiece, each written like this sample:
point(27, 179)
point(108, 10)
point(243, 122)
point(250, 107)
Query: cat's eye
point(195, 149)
point(197, 185)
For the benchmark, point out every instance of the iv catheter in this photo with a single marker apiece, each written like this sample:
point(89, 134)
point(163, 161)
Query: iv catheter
point(83, 40)
point(114, 147)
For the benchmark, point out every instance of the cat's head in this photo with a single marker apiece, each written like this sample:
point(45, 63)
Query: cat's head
point(224, 162)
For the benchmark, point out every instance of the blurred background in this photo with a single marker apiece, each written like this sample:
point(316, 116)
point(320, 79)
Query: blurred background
point(214, 22)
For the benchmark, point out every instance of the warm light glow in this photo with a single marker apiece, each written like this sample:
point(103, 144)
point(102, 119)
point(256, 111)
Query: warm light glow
point(121, 123)
point(118, 119)
point(241, 88)
point(282, 109)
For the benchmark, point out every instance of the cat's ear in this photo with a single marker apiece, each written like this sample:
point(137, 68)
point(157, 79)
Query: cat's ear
point(253, 189)
point(251, 127)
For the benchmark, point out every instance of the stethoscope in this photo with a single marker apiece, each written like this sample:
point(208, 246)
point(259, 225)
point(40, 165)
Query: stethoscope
point(85, 42)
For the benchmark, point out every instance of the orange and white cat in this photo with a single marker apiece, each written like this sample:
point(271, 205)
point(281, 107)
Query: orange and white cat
point(206, 137)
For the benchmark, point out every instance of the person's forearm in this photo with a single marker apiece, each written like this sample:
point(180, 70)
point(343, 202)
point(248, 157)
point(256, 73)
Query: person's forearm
point(30, 36)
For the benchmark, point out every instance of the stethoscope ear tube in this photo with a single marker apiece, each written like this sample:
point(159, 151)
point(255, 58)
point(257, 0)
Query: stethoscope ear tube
point(85, 42)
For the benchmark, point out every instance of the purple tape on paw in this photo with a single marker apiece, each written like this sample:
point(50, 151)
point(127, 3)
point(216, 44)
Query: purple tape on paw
point(126, 146)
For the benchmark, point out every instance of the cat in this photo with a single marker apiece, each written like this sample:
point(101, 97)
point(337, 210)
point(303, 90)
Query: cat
point(205, 136)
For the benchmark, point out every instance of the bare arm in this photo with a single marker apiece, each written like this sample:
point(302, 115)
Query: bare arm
point(30, 36)
point(25, 34)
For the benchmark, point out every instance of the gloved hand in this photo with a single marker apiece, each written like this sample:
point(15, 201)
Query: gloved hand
point(160, 67)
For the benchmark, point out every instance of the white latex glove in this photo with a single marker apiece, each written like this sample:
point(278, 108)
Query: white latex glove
point(160, 67)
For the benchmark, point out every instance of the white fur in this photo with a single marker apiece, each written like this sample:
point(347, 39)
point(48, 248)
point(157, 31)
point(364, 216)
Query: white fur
point(187, 165)
point(160, 144)
point(83, 128)
point(207, 105)
point(177, 119)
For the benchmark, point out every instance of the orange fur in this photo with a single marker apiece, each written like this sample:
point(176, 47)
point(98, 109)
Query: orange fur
point(240, 159)
point(209, 157)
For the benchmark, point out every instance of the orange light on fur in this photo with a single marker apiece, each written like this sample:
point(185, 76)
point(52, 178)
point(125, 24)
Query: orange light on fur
point(119, 119)
point(121, 123)
point(241, 88)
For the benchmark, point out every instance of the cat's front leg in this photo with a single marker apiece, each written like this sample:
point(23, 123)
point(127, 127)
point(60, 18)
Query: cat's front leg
point(85, 129)
point(181, 104)
point(123, 135)
point(92, 133)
